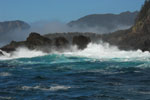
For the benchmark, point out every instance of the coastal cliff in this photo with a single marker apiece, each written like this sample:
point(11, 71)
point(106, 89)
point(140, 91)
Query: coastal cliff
point(137, 37)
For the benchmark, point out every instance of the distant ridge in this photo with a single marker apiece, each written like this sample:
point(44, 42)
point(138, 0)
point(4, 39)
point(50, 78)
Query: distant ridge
point(10, 26)
point(108, 21)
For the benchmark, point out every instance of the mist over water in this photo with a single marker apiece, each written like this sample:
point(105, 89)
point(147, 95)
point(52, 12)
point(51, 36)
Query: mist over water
point(45, 27)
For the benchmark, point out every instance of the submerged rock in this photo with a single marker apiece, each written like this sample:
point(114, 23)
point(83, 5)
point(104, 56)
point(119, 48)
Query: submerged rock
point(81, 41)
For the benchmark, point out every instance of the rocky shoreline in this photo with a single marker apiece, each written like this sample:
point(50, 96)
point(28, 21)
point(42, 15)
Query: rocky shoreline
point(46, 44)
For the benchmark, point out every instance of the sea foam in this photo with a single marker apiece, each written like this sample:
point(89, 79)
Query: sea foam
point(104, 50)
point(52, 88)
point(98, 51)
point(22, 53)
point(5, 74)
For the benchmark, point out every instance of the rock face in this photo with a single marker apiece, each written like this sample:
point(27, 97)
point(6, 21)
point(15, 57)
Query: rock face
point(109, 22)
point(1, 54)
point(142, 25)
point(36, 41)
point(81, 41)
point(61, 42)
point(12, 46)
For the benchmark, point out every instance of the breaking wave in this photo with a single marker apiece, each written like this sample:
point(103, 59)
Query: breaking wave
point(104, 50)
point(22, 53)
point(98, 51)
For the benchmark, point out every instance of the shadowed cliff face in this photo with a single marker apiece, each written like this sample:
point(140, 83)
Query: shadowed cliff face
point(140, 32)
point(142, 24)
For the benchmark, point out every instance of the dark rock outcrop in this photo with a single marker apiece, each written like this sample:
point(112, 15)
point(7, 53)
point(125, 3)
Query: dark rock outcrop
point(81, 41)
point(1, 54)
point(12, 46)
point(61, 42)
point(36, 41)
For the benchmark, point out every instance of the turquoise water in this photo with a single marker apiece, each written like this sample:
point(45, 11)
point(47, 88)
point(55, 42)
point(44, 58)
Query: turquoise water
point(60, 77)
point(96, 73)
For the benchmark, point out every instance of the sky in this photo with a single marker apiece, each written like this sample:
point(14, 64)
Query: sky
point(62, 10)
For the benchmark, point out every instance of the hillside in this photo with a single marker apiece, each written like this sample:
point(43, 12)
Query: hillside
point(10, 26)
point(12, 30)
point(138, 36)
point(107, 22)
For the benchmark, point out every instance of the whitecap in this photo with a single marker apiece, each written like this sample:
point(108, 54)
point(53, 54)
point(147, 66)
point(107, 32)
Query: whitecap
point(5, 98)
point(59, 87)
point(52, 88)
point(5, 74)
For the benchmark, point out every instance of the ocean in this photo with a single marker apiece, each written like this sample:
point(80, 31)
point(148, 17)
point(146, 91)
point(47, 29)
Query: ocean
point(99, 72)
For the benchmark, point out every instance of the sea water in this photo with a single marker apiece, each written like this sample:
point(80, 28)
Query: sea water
point(99, 72)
